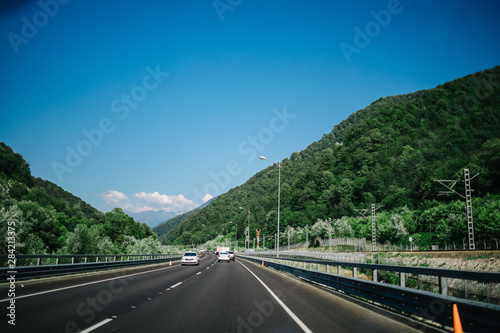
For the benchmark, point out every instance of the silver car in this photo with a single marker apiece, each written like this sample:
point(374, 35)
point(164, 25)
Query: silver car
point(223, 256)
point(190, 258)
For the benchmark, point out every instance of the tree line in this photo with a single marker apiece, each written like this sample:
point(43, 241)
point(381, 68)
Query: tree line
point(49, 220)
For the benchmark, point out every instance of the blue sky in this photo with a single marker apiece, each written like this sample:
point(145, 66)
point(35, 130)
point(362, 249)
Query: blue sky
point(159, 105)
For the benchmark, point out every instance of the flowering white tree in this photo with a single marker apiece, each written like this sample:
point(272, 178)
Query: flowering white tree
point(105, 246)
point(297, 235)
point(147, 245)
point(342, 228)
point(399, 228)
point(319, 229)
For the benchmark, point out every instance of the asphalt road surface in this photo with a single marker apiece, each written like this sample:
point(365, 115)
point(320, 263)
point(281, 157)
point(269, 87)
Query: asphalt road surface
point(239, 296)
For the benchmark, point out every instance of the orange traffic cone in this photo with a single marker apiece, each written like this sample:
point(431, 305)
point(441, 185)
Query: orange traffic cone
point(262, 263)
point(456, 320)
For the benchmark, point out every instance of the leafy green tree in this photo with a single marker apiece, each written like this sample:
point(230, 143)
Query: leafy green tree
point(486, 213)
point(42, 223)
point(83, 240)
point(34, 245)
point(326, 159)
point(117, 225)
point(11, 215)
point(487, 162)
point(13, 166)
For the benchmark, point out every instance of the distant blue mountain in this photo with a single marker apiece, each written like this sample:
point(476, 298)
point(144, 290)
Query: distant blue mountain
point(152, 218)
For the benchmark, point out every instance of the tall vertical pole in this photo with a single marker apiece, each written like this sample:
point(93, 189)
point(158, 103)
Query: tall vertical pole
point(449, 184)
point(247, 230)
point(362, 212)
point(279, 197)
point(374, 240)
point(236, 235)
point(288, 239)
point(330, 232)
point(468, 204)
point(307, 236)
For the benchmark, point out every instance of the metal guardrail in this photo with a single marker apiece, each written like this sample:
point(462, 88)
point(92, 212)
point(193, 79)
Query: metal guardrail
point(403, 272)
point(449, 273)
point(37, 271)
point(418, 304)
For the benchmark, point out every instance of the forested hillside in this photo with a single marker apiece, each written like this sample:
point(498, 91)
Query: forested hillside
point(389, 153)
point(165, 227)
point(47, 219)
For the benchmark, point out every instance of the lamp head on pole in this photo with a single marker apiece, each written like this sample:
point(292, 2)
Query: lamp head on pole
point(262, 158)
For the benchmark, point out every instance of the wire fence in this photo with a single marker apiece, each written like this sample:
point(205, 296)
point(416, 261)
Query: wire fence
point(363, 245)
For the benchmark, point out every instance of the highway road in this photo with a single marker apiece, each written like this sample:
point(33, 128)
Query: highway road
point(215, 296)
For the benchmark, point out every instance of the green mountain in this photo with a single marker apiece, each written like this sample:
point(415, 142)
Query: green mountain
point(48, 219)
point(389, 153)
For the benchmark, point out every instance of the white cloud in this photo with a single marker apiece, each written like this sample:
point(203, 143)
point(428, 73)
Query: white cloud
point(207, 197)
point(148, 201)
point(167, 203)
point(114, 197)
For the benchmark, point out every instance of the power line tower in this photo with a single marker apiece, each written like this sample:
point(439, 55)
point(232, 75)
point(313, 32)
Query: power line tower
point(449, 184)
point(468, 205)
point(307, 236)
point(330, 244)
point(374, 237)
point(363, 212)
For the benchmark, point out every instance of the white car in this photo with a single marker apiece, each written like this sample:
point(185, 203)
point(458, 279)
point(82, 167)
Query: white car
point(190, 258)
point(223, 256)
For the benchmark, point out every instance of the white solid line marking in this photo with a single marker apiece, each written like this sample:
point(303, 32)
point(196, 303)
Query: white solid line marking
point(294, 317)
point(91, 328)
point(175, 285)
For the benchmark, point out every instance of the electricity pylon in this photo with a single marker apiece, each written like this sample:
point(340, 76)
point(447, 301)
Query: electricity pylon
point(449, 184)
point(362, 212)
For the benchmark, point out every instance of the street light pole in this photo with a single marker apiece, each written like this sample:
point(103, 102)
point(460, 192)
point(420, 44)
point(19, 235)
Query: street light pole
point(248, 235)
point(236, 235)
point(279, 197)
